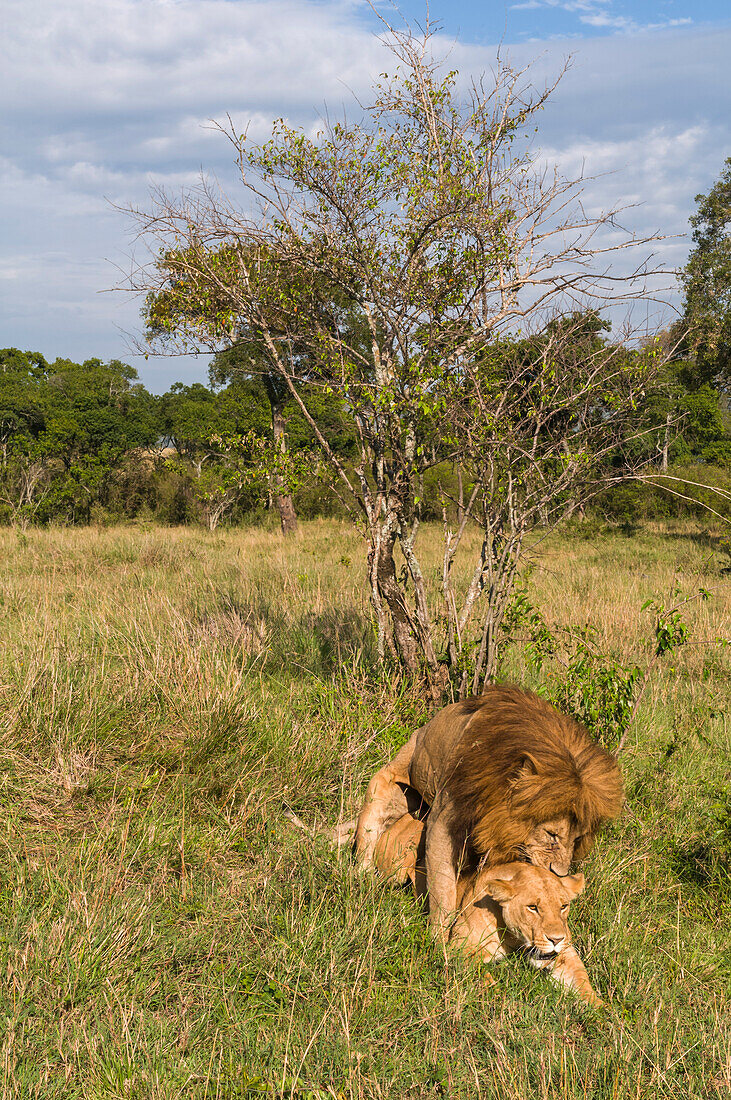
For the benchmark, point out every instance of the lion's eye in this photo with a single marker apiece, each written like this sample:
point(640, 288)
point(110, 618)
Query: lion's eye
point(533, 908)
point(564, 908)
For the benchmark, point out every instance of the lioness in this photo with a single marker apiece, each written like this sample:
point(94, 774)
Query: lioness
point(511, 907)
point(506, 777)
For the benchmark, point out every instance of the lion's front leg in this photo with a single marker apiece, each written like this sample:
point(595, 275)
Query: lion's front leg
point(385, 802)
point(441, 868)
point(570, 971)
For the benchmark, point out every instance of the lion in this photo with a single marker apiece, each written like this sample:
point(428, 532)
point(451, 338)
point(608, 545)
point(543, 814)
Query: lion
point(502, 909)
point(504, 777)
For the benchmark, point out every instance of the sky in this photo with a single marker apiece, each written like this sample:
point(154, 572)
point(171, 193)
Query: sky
point(104, 99)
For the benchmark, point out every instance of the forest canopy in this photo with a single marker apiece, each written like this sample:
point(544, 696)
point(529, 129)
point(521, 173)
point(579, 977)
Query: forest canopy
point(86, 442)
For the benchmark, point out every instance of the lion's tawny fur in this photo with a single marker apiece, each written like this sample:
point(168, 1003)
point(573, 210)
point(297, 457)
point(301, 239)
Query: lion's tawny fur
point(519, 762)
point(500, 909)
point(505, 777)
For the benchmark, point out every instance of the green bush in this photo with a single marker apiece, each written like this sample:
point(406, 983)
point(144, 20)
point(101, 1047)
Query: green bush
point(702, 487)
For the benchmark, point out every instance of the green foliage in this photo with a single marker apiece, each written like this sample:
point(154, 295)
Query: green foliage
point(73, 440)
point(691, 491)
point(579, 675)
point(64, 429)
point(251, 385)
point(704, 427)
point(680, 419)
point(707, 282)
point(573, 671)
point(524, 625)
point(190, 415)
point(597, 687)
point(670, 630)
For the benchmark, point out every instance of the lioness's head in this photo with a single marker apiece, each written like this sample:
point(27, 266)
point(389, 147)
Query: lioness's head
point(534, 904)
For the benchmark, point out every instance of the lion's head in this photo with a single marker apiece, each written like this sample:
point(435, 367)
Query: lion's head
point(552, 844)
point(527, 782)
point(534, 905)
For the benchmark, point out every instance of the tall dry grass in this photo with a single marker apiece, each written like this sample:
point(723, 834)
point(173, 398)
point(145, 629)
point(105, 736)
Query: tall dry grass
point(167, 695)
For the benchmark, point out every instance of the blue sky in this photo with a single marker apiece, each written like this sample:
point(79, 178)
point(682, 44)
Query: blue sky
point(540, 20)
point(105, 98)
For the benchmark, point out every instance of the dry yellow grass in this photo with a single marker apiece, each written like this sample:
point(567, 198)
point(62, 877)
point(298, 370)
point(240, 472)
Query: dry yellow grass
point(166, 694)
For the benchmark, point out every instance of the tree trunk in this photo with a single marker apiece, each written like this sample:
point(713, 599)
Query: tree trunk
point(407, 634)
point(283, 499)
point(287, 514)
point(387, 590)
point(666, 443)
point(498, 598)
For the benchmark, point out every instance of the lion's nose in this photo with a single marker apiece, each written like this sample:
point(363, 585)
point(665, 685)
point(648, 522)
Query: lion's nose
point(556, 940)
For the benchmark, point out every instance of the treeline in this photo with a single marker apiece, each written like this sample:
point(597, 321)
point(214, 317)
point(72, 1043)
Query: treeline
point(86, 442)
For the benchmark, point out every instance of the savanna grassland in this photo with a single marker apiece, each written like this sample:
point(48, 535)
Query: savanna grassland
point(168, 695)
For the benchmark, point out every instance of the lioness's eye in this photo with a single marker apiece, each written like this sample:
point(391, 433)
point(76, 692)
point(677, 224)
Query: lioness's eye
point(564, 907)
point(533, 908)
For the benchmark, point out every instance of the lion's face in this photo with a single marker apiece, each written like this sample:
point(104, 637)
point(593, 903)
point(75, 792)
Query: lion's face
point(551, 844)
point(535, 905)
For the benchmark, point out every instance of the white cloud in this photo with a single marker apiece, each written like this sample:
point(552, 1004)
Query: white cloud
point(600, 14)
point(625, 24)
point(104, 98)
point(152, 55)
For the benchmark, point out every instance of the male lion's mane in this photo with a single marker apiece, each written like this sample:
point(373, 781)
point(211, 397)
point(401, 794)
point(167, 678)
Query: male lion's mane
point(521, 762)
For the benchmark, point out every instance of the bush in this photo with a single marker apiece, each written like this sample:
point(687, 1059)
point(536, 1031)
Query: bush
point(637, 501)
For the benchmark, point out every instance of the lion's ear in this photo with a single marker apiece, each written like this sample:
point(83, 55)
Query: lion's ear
point(574, 884)
point(527, 783)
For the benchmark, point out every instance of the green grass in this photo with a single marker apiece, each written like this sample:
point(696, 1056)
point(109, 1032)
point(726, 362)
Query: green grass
point(166, 932)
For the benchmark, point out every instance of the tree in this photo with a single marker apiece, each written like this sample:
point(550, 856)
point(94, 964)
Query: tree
point(64, 429)
point(707, 283)
point(233, 365)
point(23, 464)
point(96, 413)
point(252, 387)
point(417, 264)
point(683, 420)
point(191, 416)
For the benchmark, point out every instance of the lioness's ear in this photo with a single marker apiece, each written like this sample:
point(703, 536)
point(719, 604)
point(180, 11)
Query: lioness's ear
point(574, 884)
point(497, 882)
point(499, 889)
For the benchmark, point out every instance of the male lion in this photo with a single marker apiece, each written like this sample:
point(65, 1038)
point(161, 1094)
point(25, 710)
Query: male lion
point(510, 907)
point(505, 776)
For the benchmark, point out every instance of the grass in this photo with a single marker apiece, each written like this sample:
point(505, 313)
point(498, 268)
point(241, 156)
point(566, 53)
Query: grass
point(166, 932)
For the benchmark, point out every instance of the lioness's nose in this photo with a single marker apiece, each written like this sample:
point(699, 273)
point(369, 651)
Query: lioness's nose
point(556, 940)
